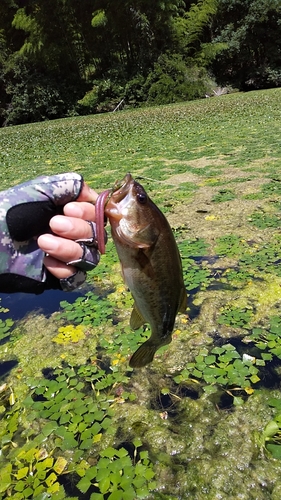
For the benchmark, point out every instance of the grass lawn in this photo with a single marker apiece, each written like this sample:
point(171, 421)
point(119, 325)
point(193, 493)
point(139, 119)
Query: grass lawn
point(203, 421)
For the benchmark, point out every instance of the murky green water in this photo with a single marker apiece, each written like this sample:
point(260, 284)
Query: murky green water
point(190, 425)
point(203, 420)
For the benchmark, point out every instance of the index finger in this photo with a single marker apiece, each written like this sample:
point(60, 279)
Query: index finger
point(80, 209)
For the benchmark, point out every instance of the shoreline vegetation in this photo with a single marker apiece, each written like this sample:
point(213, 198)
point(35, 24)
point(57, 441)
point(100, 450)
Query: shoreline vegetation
point(64, 59)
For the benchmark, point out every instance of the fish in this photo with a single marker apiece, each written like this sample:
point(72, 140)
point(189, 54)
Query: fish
point(150, 262)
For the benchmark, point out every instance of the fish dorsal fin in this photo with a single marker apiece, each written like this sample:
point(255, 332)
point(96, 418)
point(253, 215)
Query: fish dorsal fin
point(183, 301)
point(136, 320)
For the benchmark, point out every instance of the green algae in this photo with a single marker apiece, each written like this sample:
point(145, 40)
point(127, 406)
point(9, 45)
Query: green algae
point(171, 433)
point(192, 454)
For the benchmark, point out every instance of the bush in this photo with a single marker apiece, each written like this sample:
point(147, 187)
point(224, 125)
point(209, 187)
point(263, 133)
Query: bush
point(32, 95)
point(172, 80)
point(136, 91)
point(103, 97)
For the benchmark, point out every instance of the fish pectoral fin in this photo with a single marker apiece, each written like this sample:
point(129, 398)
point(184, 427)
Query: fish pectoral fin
point(143, 355)
point(183, 301)
point(136, 320)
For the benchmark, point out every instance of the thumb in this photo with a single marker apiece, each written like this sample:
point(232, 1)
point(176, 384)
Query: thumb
point(87, 194)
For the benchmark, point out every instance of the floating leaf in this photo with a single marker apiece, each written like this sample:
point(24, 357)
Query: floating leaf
point(254, 379)
point(271, 429)
point(22, 473)
point(104, 484)
point(60, 465)
point(108, 452)
point(209, 360)
point(275, 450)
point(116, 495)
point(5, 477)
point(20, 486)
point(84, 484)
point(54, 488)
point(49, 428)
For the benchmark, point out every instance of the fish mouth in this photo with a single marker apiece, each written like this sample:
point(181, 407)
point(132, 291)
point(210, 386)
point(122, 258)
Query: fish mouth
point(119, 190)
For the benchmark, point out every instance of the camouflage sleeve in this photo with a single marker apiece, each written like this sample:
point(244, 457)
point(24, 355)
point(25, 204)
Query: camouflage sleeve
point(25, 212)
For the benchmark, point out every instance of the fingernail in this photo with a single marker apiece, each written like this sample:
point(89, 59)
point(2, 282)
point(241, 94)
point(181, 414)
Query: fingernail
point(73, 209)
point(48, 243)
point(61, 224)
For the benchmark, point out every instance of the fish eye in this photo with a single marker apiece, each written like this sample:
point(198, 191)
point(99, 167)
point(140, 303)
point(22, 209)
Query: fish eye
point(142, 198)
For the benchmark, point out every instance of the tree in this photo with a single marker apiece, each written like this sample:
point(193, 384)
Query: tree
point(60, 57)
point(131, 34)
point(181, 72)
point(251, 30)
point(42, 75)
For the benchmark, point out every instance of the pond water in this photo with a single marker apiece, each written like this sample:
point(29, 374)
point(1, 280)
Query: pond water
point(201, 444)
point(20, 304)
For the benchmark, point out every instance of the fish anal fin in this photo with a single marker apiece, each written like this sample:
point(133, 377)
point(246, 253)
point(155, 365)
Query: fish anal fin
point(183, 301)
point(136, 320)
point(143, 355)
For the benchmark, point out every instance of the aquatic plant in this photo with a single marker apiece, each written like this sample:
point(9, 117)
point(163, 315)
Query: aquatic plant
point(195, 274)
point(5, 328)
point(253, 259)
point(91, 309)
point(195, 277)
point(118, 476)
point(73, 410)
point(69, 334)
point(268, 340)
point(263, 258)
point(5, 325)
point(33, 474)
point(36, 474)
point(224, 195)
point(272, 188)
point(230, 245)
point(235, 316)
point(184, 191)
point(253, 196)
point(263, 220)
point(271, 435)
point(238, 276)
point(222, 366)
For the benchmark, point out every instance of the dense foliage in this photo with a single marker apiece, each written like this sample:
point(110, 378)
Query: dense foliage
point(62, 57)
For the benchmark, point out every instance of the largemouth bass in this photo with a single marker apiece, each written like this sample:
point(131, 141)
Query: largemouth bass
point(150, 261)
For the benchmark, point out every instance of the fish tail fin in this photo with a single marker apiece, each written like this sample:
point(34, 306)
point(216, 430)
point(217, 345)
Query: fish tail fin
point(143, 355)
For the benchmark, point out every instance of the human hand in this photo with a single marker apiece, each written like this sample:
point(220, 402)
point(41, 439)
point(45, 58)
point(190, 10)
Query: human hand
point(61, 247)
point(25, 213)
